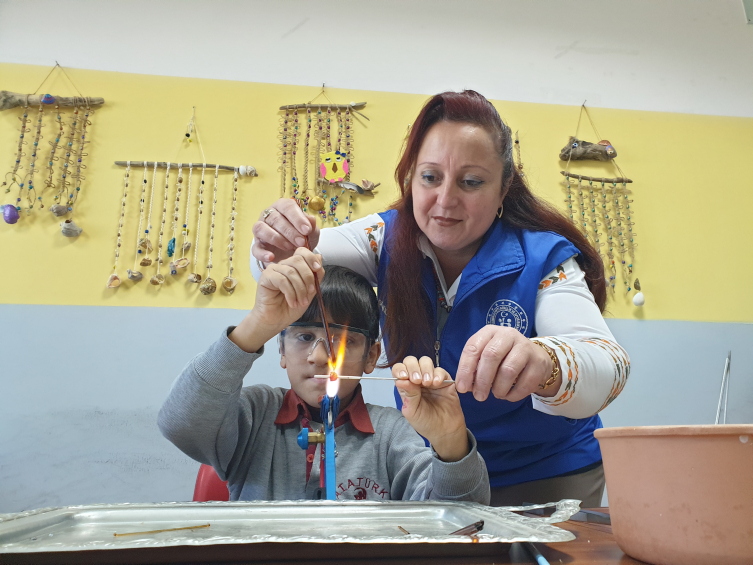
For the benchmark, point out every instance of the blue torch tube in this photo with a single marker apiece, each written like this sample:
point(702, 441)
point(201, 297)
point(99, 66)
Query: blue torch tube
point(329, 411)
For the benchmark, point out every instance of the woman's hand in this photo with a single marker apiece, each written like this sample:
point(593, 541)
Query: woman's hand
point(281, 229)
point(505, 362)
point(283, 293)
point(432, 406)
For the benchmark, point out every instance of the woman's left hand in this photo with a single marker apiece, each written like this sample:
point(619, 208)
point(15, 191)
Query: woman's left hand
point(506, 363)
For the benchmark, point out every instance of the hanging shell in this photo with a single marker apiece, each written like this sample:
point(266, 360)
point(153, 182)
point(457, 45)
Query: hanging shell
point(173, 268)
point(368, 185)
point(229, 284)
point(194, 278)
point(208, 286)
point(144, 243)
point(145, 262)
point(316, 204)
point(157, 280)
point(113, 281)
point(59, 210)
point(187, 246)
point(70, 229)
point(10, 214)
point(135, 275)
point(182, 263)
point(639, 299)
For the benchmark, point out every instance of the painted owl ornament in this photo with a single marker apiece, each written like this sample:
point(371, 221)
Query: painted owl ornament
point(334, 166)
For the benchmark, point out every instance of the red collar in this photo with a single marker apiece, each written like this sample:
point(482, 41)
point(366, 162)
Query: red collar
point(293, 408)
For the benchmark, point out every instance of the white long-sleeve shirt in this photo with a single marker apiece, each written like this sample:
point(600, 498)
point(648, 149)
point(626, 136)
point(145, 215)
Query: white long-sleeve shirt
point(594, 366)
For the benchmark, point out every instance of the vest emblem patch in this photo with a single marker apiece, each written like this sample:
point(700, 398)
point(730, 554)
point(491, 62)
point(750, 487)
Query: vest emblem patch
point(508, 314)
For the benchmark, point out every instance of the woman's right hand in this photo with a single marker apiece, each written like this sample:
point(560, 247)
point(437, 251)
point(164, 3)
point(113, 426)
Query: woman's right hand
point(281, 229)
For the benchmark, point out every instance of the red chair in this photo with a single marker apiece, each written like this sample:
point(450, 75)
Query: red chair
point(209, 486)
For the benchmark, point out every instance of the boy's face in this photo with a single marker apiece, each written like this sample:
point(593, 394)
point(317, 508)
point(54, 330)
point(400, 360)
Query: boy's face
point(305, 355)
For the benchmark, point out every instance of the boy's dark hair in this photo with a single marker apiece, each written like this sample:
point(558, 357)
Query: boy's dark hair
point(349, 300)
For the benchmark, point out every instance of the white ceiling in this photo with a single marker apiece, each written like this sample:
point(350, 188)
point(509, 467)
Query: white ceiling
point(692, 56)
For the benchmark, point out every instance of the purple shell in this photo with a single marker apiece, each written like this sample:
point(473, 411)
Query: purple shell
point(10, 214)
point(48, 99)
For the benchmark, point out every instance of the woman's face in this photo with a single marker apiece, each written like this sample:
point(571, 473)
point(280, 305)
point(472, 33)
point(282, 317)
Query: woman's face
point(457, 185)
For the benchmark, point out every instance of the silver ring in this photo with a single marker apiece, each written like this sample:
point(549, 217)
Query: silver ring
point(266, 213)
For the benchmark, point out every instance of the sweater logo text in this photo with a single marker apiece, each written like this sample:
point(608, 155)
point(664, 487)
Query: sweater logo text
point(361, 489)
point(508, 314)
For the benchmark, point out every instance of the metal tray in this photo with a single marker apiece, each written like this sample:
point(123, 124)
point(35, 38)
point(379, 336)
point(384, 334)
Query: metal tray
point(269, 530)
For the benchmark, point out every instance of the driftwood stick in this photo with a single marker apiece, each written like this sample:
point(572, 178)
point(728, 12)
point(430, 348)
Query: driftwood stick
point(10, 100)
point(618, 180)
point(324, 105)
point(250, 171)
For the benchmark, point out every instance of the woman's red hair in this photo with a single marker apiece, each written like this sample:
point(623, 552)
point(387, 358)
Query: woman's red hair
point(407, 325)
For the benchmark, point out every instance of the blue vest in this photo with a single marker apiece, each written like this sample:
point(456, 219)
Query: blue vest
point(499, 286)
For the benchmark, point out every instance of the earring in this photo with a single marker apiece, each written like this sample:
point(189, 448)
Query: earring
point(499, 212)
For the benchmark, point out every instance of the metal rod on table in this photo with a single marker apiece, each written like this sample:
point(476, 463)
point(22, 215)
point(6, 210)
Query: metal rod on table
point(722, 406)
point(347, 378)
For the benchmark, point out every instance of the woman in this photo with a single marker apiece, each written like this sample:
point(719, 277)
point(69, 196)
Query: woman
point(492, 284)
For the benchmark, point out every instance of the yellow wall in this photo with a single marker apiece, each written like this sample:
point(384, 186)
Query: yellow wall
point(692, 188)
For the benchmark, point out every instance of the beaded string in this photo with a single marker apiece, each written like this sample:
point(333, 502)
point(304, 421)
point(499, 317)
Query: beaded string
point(229, 283)
point(73, 197)
point(284, 149)
point(305, 199)
point(171, 243)
point(595, 224)
point(319, 141)
point(58, 208)
point(158, 279)
point(335, 199)
point(141, 219)
point(185, 245)
point(610, 240)
point(582, 206)
point(146, 261)
point(32, 162)
point(196, 277)
point(22, 142)
point(348, 157)
point(53, 148)
point(293, 158)
point(13, 179)
point(114, 275)
point(209, 286)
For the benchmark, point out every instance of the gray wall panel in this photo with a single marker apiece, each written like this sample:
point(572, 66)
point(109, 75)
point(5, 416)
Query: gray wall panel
point(81, 387)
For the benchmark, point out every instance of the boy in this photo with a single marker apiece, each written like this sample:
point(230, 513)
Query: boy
point(249, 435)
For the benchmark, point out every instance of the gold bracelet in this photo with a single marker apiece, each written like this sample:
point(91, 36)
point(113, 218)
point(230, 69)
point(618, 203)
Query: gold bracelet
point(555, 366)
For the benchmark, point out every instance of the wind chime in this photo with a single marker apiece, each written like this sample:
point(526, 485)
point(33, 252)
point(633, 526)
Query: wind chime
point(600, 208)
point(326, 132)
point(60, 168)
point(180, 221)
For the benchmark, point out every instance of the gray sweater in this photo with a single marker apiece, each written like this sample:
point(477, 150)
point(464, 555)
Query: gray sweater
point(212, 418)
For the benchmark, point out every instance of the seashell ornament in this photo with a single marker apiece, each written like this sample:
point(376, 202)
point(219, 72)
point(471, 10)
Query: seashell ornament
point(368, 185)
point(145, 262)
point(113, 281)
point(247, 171)
point(639, 299)
point(208, 286)
point(187, 246)
point(59, 210)
point(157, 280)
point(70, 229)
point(316, 204)
point(194, 278)
point(134, 275)
point(144, 243)
point(173, 268)
point(229, 284)
point(182, 263)
point(10, 214)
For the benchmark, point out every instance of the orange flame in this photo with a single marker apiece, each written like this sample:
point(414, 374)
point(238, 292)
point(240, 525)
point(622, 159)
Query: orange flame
point(333, 383)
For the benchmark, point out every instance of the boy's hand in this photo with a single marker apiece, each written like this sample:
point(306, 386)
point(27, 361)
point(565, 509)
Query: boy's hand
point(283, 293)
point(432, 407)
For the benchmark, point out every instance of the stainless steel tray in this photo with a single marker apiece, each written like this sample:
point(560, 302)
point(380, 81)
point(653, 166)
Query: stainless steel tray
point(91, 528)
